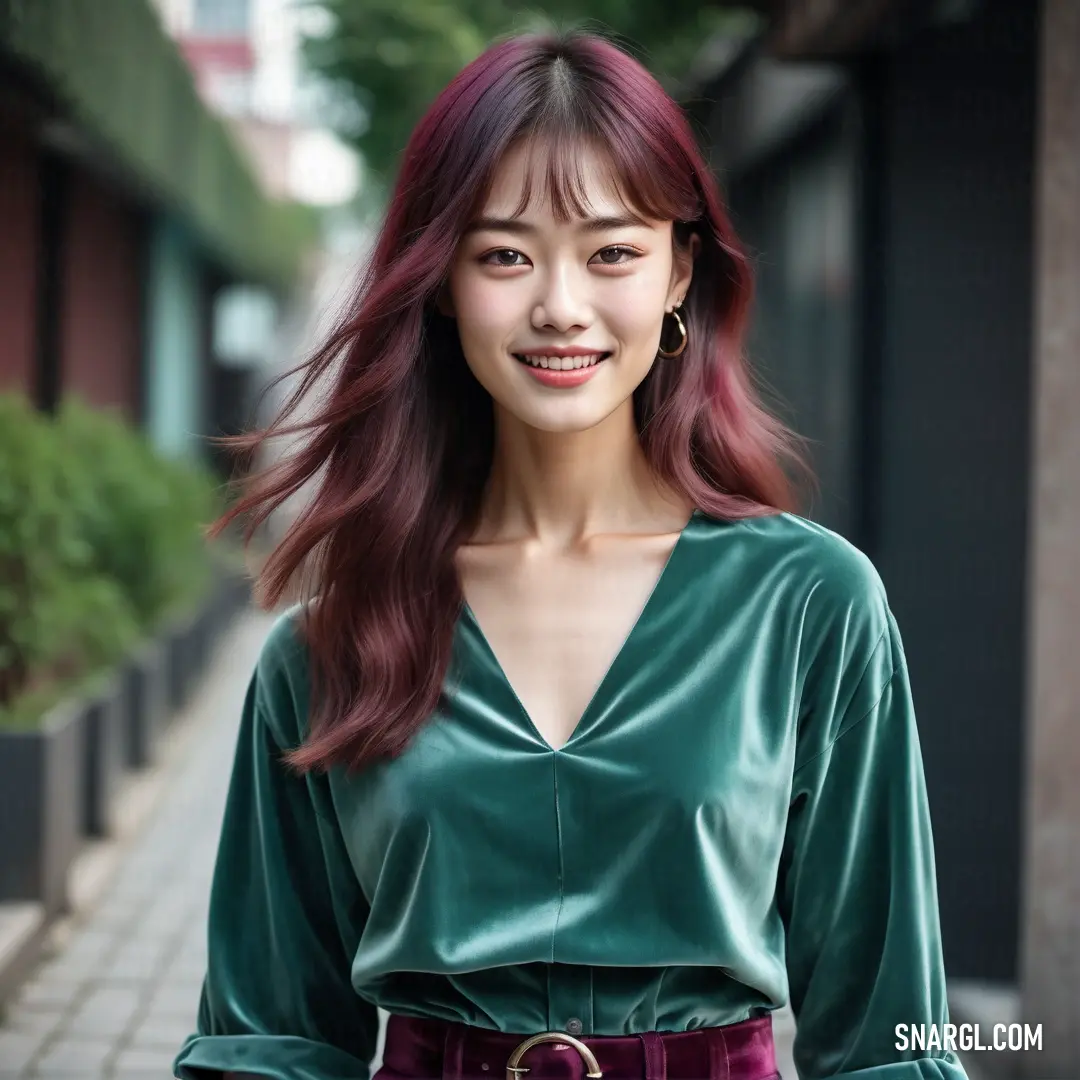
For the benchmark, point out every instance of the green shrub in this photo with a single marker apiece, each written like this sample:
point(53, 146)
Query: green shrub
point(57, 617)
point(100, 540)
point(140, 513)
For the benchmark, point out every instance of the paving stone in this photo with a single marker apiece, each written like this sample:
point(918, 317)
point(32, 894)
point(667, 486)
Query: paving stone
point(163, 1031)
point(89, 945)
point(107, 1009)
point(143, 892)
point(170, 912)
point(140, 960)
point(48, 993)
point(62, 970)
point(132, 969)
point(75, 1057)
point(140, 1064)
point(34, 1021)
point(176, 999)
point(75, 1071)
point(188, 969)
point(193, 942)
point(16, 1050)
point(164, 926)
point(192, 948)
point(127, 982)
point(117, 917)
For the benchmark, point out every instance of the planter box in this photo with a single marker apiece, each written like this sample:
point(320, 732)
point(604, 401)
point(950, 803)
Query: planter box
point(199, 639)
point(221, 605)
point(146, 702)
point(105, 754)
point(235, 596)
point(41, 782)
point(240, 592)
point(179, 663)
point(190, 639)
point(196, 646)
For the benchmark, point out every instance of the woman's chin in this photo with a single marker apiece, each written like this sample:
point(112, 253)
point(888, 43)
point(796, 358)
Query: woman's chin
point(565, 416)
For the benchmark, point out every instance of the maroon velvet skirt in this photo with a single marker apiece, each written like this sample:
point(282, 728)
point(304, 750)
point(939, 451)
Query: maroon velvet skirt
point(425, 1049)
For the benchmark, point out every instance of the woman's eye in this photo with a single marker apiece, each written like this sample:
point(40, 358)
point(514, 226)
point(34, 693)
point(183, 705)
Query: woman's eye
point(490, 256)
point(618, 250)
point(493, 258)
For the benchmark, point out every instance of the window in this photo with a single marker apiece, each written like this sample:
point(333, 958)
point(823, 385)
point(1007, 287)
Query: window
point(222, 18)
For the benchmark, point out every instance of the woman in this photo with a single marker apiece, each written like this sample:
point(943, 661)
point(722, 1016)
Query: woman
point(582, 753)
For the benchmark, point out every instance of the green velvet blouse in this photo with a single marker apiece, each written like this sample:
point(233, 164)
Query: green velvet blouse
point(739, 820)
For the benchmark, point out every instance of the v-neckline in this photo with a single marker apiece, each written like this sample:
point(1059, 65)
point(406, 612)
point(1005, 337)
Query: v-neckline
point(612, 668)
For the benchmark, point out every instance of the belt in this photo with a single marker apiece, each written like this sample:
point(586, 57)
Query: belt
point(431, 1049)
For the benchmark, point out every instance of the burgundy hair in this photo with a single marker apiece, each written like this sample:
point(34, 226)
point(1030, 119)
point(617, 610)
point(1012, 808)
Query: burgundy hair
point(403, 439)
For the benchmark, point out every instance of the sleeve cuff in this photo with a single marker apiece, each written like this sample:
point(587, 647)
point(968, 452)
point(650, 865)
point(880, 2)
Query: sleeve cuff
point(281, 1057)
point(947, 1067)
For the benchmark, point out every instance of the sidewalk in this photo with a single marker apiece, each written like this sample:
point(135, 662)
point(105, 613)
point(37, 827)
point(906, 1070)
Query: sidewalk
point(120, 994)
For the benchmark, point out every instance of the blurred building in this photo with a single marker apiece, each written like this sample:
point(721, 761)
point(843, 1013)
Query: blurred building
point(907, 175)
point(127, 211)
point(246, 59)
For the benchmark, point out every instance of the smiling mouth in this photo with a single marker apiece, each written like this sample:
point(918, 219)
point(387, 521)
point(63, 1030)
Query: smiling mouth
point(561, 363)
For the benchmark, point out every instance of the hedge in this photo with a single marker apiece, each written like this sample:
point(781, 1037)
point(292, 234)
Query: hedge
point(100, 540)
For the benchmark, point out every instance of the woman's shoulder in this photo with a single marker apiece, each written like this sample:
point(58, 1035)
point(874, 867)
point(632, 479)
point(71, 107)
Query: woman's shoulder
point(849, 644)
point(283, 647)
point(807, 582)
point(281, 675)
point(824, 566)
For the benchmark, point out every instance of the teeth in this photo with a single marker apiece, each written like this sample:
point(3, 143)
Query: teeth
point(561, 363)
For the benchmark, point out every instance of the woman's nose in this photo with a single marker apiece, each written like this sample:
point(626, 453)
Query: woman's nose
point(562, 302)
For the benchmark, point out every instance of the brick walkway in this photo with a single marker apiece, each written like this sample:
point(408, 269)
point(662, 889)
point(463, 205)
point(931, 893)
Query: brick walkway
point(118, 999)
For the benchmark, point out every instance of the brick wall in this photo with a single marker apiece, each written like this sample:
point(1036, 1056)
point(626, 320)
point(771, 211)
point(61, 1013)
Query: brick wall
point(18, 259)
point(102, 299)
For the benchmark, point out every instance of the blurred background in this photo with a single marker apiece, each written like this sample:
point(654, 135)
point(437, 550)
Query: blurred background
point(187, 188)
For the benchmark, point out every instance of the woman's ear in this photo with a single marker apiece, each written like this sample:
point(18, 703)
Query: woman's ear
point(682, 270)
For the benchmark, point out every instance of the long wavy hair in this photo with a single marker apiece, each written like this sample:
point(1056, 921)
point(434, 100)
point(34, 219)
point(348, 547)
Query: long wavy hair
point(398, 449)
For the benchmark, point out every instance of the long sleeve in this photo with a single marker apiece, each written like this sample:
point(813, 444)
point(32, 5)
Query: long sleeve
point(286, 913)
point(858, 892)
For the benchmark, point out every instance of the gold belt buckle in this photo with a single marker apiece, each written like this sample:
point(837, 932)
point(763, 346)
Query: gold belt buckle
point(514, 1070)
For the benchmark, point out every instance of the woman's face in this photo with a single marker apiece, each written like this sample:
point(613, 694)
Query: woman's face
point(534, 287)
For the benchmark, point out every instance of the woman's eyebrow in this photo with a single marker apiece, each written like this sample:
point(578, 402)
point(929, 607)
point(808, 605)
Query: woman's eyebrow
point(587, 225)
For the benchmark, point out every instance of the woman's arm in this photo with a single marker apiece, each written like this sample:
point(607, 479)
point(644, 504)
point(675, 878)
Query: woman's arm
point(858, 891)
point(286, 910)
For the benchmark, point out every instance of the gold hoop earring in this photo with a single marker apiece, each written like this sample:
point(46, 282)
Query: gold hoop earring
point(682, 330)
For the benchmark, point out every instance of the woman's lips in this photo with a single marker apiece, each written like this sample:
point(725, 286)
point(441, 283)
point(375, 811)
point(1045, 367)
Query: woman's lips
point(560, 378)
point(561, 363)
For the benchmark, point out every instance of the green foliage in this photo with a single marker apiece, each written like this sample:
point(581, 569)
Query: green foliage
point(55, 618)
point(139, 512)
point(392, 58)
point(100, 538)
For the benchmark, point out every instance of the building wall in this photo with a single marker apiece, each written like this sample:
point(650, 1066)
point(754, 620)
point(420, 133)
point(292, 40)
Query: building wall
point(175, 342)
point(101, 305)
point(797, 213)
point(1050, 975)
point(18, 260)
point(957, 113)
point(911, 376)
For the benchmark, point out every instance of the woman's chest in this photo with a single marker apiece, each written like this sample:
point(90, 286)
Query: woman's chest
point(687, 753)
point(551, 629)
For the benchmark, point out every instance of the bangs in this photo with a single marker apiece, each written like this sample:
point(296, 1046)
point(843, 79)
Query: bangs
point(555, 156)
